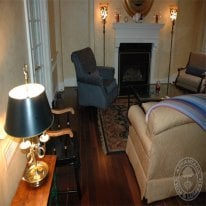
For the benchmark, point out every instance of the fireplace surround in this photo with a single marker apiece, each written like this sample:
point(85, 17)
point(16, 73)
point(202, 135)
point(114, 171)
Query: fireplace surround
point(137, 33)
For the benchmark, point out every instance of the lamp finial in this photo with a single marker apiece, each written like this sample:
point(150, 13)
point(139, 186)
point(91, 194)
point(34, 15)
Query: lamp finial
point(26, 75)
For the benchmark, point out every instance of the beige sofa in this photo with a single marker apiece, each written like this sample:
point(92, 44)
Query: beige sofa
point(155, 147)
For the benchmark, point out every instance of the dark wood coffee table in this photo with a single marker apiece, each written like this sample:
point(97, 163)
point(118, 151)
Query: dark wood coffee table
point(147, 92)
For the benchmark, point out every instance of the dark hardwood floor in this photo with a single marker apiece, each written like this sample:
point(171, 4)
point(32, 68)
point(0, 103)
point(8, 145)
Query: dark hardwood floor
point(106, 180)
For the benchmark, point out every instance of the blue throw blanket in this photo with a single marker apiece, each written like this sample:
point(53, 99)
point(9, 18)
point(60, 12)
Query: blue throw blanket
point(193, 105)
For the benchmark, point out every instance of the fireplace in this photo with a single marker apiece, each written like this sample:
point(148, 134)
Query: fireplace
point(134, 65)
point(135, 36)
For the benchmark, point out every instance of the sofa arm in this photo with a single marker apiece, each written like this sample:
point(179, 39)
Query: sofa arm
point(165, 118)
point(136, 117)
point(179, 70)
point(106, 72)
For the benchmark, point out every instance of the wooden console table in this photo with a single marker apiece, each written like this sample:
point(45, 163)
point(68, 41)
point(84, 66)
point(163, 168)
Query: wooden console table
point(31, 196)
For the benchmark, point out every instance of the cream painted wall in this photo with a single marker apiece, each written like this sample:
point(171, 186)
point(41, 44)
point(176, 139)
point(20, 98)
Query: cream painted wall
point(58, 72)
point(190, 30)
point(74, 32)
point(77, 32)
point(13, 54)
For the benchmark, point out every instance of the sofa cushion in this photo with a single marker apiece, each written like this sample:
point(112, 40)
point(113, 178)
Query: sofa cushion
point(147, 105)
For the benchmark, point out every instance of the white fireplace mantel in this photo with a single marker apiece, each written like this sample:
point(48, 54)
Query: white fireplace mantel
point(137, 33)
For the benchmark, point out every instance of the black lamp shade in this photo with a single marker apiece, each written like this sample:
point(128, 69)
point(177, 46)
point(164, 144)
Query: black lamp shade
point(28, 115)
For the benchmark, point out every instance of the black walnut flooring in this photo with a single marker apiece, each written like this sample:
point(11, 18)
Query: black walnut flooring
point(106, 180)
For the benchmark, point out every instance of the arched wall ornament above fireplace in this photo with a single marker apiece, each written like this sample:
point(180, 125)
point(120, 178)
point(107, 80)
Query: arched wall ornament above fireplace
point(137, 6)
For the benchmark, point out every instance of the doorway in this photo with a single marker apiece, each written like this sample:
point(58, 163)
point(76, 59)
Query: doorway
point(38, 41)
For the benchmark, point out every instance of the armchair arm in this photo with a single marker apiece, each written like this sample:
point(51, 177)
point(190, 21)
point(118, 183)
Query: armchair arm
point(60, 132)
point(91, 78)
point(203, 76)
point(57, 112)
point(180, 69)
point(63, 111)
point(106, 72)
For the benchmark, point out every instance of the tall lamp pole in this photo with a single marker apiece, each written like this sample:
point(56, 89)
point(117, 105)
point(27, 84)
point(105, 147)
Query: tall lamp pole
point(104, 13)
point(173, 16)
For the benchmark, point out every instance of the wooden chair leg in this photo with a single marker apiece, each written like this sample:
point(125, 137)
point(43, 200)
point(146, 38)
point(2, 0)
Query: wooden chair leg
point(77, 175)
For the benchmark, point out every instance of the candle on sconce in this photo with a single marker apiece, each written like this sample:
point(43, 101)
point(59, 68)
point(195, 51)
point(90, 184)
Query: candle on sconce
point(157, 17)
point(116, 17)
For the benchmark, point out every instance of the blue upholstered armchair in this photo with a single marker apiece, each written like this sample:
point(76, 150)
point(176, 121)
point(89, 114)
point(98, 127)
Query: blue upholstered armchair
point(96, 84)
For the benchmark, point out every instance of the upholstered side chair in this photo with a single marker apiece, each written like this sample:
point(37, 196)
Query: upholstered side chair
point(96, 85)
point(192, 76)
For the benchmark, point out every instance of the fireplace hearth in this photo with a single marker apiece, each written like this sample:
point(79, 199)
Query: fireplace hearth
point(134, 65)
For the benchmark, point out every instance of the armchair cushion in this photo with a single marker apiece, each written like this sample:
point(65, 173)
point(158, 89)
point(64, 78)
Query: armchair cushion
point(196, 71)
point(188, 81)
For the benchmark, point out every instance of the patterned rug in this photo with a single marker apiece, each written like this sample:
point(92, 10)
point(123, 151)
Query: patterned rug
point(113, 126)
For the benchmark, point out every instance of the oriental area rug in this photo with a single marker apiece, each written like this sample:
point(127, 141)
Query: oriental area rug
point(113, 126)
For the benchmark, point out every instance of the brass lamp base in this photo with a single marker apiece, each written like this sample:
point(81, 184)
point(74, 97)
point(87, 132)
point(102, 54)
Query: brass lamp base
point(35, 175)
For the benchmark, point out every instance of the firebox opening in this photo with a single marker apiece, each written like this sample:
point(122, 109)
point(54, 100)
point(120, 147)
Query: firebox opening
point(134, 65)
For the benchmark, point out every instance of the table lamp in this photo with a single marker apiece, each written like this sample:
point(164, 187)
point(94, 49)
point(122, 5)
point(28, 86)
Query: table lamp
point(29, 116)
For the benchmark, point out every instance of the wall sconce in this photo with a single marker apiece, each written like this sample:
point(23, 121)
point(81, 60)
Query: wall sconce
point(173, 17)
point(28, 116)
point(103, 13)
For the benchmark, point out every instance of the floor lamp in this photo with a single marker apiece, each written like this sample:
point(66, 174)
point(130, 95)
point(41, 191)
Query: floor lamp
point(103, 13)
point(173, 17)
